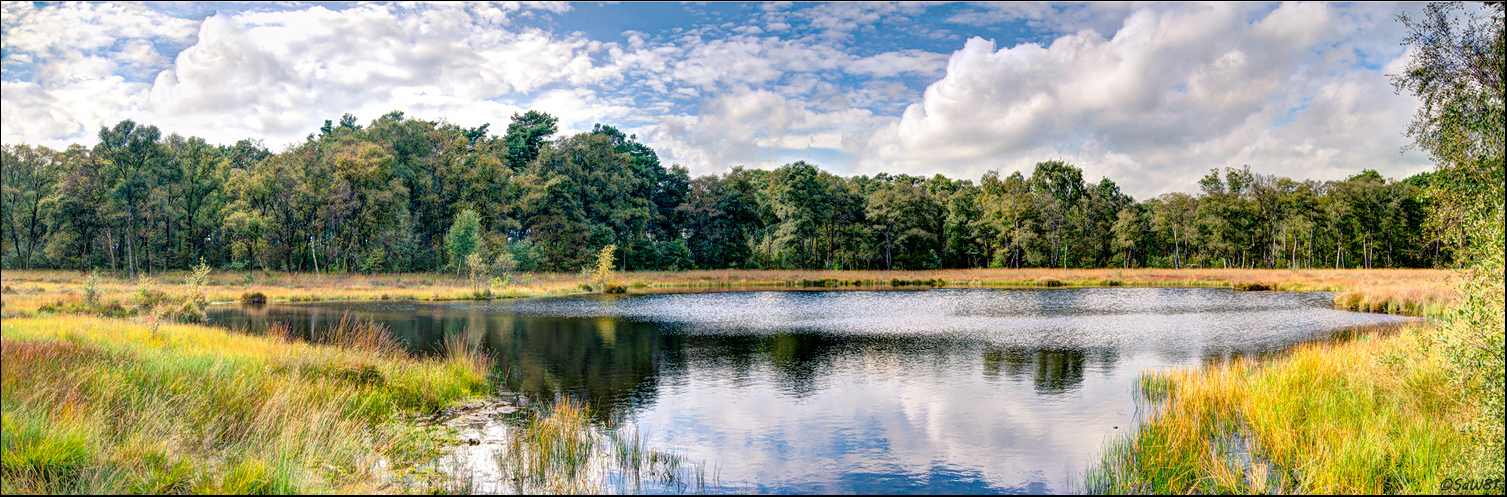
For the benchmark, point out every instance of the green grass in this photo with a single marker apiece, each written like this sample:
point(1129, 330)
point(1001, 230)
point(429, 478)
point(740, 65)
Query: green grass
point(98, 405)
point(1370, 416)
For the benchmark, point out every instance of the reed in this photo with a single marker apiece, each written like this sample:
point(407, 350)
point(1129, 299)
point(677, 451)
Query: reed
point(466, 352)
point(1368, 416)
point(553, 451)
point(360, 334)
point(557, 449)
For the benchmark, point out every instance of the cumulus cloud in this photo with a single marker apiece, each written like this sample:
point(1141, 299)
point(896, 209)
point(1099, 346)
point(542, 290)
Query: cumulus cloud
point(1175, 92)
point(1150, 95)
point(747, 127)
point(276, 74)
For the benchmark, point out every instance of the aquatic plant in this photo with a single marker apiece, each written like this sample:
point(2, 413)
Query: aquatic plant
point(557, 449)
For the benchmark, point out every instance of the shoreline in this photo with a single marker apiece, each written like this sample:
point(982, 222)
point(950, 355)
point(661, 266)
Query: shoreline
point(1410, 292)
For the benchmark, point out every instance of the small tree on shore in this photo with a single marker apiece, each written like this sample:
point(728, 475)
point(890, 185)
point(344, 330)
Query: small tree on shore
point(464, 238)
point(476, 267)
point(605, 264)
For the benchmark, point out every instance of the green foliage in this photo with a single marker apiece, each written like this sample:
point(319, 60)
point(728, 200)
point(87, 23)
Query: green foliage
point(464, 238)
point(526, 136)
point(526, 254)
point(91, 288)
point(1457, 72)
point(403, 194)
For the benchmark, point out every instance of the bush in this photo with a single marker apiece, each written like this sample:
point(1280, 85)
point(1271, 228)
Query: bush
point(254, 298)
point(189, 313)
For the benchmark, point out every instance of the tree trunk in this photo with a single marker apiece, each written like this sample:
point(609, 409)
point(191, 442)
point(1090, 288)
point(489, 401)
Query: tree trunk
point(1177, 252)
point(109, 238)
point(131, 255)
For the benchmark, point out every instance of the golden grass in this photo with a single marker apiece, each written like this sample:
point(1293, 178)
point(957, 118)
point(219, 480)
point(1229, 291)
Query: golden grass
point(1418, 292)
point(1374, 415)
point(26, 292)
point(96, 405)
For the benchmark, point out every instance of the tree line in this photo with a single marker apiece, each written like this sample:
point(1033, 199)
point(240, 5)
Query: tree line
point(402, 194)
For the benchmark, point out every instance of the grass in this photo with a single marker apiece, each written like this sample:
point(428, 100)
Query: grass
point(1421, 411)
point(27, 292)
point(1369, 416)
point(1419, 292)
point(101, 405)
point(557, 450)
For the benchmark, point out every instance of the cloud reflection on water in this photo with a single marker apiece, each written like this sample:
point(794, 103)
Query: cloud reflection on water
point(941, 391)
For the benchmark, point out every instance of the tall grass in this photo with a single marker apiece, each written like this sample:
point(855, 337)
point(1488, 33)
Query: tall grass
point(466, 352)
point(360, 334)
point(1367, 416)
point(558, 450)
point(96, 405)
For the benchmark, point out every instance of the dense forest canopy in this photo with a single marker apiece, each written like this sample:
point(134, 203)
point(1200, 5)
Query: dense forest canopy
point(402, 194)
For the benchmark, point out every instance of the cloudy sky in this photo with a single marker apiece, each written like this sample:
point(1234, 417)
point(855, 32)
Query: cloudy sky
point(1150, 95)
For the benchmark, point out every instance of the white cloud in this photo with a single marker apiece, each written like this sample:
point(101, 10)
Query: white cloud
point(1175, 92)
point(1150, 95)
point(1102, 17)
point(276, 74)
point(751, 61)
point(745, 127)
point(890, 64)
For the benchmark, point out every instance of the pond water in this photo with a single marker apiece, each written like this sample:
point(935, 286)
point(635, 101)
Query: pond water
point(936, 391)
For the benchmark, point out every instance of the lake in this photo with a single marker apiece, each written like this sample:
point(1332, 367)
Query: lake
point(934, 391)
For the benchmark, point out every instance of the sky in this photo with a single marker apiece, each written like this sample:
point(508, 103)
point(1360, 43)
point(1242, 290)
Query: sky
point(1150, 95)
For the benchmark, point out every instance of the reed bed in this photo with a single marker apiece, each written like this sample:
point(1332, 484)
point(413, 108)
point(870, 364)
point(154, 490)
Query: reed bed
point(1417, 292)
point(95, 405)
point(29, 292)
point(557, 450)
point(1369, 416)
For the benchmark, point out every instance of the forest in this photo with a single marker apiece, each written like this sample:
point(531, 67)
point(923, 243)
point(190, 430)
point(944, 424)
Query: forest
point(403, 195)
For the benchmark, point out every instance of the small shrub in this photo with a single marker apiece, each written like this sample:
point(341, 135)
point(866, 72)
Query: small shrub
point(617, 288)
point(189, 313)
point(112, 309)
point(147, 295)
point(91, 288)
point(1049, 282)
point(254, 298)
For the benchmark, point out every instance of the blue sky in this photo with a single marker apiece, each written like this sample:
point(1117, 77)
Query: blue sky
point(1151, 95)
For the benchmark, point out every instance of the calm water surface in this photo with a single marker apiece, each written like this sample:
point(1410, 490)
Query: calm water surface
point(939, 391)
